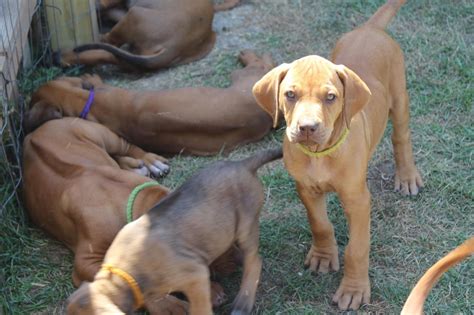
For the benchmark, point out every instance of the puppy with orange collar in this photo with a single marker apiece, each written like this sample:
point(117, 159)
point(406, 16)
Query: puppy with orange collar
point(336, 112)
point(82, 183)
point(170, 247)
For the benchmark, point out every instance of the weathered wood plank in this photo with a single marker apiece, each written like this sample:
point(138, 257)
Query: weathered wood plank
point(71, 23)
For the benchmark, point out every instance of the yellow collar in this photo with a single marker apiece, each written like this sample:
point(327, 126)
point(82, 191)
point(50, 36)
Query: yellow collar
point(137, 293)
point(326, 151)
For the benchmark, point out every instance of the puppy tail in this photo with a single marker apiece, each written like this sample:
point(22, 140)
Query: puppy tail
point(385, 14)
point(417, 297)
point(156, 60)
point(256, 161)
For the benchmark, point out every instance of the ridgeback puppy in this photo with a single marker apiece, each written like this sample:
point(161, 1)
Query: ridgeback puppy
point(77, 192)
point(417, 297)
point(74, 190)
point(169, 248)
point(159, 34)
point(196, 120)
point(336, 113)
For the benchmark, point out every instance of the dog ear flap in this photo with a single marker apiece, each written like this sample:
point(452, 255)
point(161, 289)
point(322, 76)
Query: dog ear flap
point(39, 113)
point(267, 89)
point(356, 92)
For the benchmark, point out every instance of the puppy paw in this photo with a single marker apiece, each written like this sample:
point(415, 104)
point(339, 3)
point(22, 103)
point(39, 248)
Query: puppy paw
point(91, 80)
point(157, 165)
point(322, 259)
point(133, 165)
point(218, 296)
point(408, 181)
point(351, 294)
point(65, 59)
point(168, 305)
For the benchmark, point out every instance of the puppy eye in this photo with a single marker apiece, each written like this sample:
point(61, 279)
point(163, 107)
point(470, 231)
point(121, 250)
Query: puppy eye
point(290, 95)
point(330, 97)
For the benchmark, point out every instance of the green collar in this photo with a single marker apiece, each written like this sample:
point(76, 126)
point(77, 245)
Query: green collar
point(133, 196)
point(326, 151)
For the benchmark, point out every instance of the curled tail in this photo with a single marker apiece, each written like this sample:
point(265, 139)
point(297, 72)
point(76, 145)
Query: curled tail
point(257, 160)
point(147, 62)
point(226, 5)
point(417, 297)
point(385, 14)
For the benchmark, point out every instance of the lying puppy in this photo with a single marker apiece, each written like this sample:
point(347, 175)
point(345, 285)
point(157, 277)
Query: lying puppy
point(77, 192)
point(74, 190)
point(417, 297)
point(336, 113)
point(200, 121)
point(159, 33)
point(169, 248)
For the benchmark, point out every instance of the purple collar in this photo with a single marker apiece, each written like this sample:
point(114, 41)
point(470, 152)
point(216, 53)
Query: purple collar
point(88, 105)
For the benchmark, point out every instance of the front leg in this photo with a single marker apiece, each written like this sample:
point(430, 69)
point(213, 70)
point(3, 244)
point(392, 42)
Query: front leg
point(156, 164)
point(355, 285)
point(323, 255)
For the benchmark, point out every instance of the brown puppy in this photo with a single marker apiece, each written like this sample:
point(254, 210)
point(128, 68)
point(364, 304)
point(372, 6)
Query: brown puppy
point(201, 121)
point(417, 297)
point(74, 190)
point(159, 33)
point(77, 192)
point(336, 114)
point(169, 248)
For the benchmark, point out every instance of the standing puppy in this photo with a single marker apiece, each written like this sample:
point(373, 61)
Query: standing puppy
point(169, 248)
point(336, 113)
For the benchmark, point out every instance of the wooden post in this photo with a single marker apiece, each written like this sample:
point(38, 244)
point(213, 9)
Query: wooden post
point(71, 23)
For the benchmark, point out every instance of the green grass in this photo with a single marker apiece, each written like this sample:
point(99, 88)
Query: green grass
point(408, 234)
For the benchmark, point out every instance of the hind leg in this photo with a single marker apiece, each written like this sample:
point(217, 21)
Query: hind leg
point(407, 177)
point(248, 243)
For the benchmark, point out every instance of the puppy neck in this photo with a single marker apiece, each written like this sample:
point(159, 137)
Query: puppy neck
point(113, 288)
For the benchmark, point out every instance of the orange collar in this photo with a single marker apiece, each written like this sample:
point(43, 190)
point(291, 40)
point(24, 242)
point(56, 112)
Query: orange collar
point(137, 293)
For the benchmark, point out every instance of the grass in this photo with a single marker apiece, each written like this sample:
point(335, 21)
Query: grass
point(408, 234)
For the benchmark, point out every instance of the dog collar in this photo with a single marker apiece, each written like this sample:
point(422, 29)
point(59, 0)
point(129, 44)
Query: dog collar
point(327, 151)
point(137, 293)
point(133, 196)
point(88, 105)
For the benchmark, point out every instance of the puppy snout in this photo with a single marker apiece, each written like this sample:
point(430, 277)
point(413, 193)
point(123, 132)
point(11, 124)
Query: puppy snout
point(308, 127)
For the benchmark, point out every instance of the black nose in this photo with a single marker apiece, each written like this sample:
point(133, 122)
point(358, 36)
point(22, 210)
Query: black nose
point(308, 127)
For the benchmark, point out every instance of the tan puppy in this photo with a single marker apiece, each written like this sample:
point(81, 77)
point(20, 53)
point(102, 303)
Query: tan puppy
point(417, 297)
point(159, 33)
point(169, 248)
point(336, 113)
point(74, 190)
point(201, 121)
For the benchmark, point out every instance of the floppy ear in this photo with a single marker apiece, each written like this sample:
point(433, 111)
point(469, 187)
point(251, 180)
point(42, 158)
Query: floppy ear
point(39, 113)
point(267, 89)
point(356, 92)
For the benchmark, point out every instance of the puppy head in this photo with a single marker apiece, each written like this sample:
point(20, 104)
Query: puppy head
point(39, 113)
point(313, 93)
point(86, 300)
